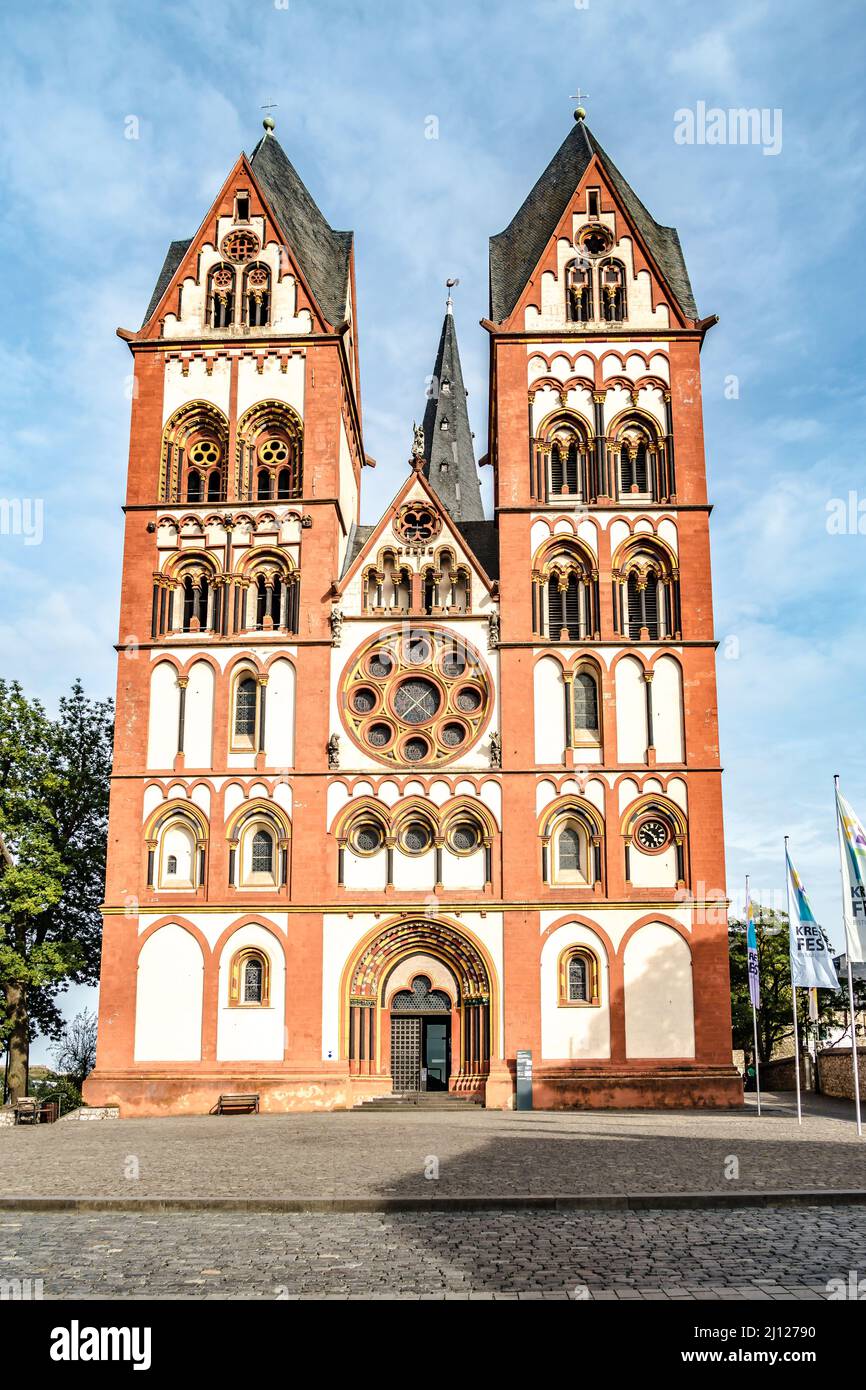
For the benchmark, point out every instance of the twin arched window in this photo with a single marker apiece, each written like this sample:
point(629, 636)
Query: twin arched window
point(255, 295)
point(565, 593)
point(595, 291)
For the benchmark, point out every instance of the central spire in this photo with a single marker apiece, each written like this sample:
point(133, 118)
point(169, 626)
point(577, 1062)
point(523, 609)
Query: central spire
point(449, 453)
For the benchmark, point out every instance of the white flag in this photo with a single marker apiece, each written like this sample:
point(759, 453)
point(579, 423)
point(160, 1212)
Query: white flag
point(811, 957)
point(852, 848)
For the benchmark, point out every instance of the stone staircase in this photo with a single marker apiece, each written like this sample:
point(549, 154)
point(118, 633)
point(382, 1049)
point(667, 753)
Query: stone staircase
point(409, 1101)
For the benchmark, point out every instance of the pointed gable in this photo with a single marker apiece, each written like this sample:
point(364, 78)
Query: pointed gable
point(515, 252)
point(449, 452)
point(323, 255)
point(474, 542)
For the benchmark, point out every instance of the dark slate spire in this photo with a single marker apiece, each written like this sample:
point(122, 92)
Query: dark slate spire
point(448, 448)
point(515, 252)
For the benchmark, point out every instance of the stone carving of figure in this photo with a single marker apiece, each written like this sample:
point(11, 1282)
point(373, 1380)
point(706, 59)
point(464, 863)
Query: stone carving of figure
point(334, 751)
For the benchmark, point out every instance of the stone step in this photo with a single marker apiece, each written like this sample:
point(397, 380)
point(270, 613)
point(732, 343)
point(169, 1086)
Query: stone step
point(417, 1100)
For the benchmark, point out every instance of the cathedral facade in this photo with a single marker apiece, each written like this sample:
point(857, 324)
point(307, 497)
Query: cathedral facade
point(393, 803)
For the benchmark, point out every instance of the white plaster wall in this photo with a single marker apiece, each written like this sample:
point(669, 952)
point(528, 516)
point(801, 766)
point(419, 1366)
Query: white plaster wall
point(463, 870)
point(659, 1006)
point(653, 870)
point(180, 842)
point(252, 1034)
point(365, 871)
point(280, 715)
point(163, 718)
point(168, 997)
point(415, 871)
point(198, 722)
point(272, 383)
point(631, 730)
point(196, 384)
point(667, 704)
point(549, 711)
point(569, 1032)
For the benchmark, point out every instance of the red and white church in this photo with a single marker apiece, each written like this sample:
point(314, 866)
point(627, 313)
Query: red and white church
point(392, 803)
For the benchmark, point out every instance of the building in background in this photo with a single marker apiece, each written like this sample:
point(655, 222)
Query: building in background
point(394, 802)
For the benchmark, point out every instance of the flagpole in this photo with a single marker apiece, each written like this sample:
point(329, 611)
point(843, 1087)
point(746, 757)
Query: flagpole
point(854, 1057)
point(793, 989)
point(754, 1010)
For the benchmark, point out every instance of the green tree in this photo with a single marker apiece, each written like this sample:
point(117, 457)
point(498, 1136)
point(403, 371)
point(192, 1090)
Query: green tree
point(54, 779)
point(775, 1016)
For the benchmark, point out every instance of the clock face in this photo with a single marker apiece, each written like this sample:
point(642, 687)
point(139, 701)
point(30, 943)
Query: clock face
point(652, 834)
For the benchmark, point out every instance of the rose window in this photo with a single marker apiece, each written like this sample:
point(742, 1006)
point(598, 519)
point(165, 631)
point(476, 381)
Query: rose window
point(420, 695)
point(273, 452)
point(205, 453)
point(240, 246)
point(417, 522)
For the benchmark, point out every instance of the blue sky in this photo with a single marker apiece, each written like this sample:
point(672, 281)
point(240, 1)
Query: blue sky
point(772, 244)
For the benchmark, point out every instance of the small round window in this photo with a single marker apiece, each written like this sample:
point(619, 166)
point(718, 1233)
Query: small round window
point(367, 837)
point(416, 838)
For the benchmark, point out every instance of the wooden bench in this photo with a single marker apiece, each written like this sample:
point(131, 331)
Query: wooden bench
point(27, 1111)
point(236, 1105)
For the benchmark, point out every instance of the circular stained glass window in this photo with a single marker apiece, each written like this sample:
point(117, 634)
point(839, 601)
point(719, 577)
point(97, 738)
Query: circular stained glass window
point(415, 750)
point(367, 837)
point(454, 662)
point(416, 700)
point(469, 699)
point(464, 837)
point(452, 735)
point(418, 649)
point(416, 837)
point(415, 695)
point(381, 664)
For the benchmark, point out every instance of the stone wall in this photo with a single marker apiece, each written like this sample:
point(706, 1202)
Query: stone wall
point(835, 1072)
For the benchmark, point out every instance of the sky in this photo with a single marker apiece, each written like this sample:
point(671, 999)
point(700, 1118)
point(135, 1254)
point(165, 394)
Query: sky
point(771, 231)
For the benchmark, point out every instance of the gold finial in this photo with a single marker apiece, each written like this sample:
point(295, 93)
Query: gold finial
point(269, 123)
point(580, 110)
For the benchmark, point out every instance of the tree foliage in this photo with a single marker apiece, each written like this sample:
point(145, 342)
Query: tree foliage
point(54, 779)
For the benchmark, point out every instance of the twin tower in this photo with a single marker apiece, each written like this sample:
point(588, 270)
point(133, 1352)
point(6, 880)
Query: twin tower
point(394, 802)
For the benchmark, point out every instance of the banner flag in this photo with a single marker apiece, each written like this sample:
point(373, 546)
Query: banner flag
point(752, 956)
point(852, 848)
point(811, 953)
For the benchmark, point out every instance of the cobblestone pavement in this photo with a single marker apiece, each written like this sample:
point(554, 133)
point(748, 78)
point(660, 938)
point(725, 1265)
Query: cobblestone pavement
point(771, 1254)
point(478, 1152)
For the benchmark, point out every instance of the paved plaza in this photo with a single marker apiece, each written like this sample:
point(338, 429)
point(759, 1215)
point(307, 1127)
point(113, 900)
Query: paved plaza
point(769, 1254)
point(423, 1154)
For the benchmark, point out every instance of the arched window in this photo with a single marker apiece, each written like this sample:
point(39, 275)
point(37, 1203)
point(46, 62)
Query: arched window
point(221, 297)
point(179, 840)
point(250, 979)
point(194, 453)
point(639, 462)
point(579, 978)
point(565, 592)
point(611, 276)
point(262, 861)
point(578, 292)
point(585, 707)
point(568, 464)
point(196, 603)
point(246, 712)
point(257, 295)
point(568, 850)
point(643, 605)
point(270, 453)
point(171, 864)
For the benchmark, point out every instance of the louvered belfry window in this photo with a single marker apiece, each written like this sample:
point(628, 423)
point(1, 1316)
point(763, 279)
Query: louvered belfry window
point(643, 607)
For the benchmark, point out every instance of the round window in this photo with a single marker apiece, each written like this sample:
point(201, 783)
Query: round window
point(415, 750)
point(274, 451)
point(205, 452)
point(416, 700)
point(240, 246)
point(452, 735)
point(465, 837)
point(381, 665)
point(367, 837)
point(416, 837)
point(416, 679)
point(364, 700)
point(469, 699)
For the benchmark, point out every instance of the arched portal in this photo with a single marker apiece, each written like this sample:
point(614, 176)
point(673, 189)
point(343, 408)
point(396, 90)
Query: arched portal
point(418, 1007)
